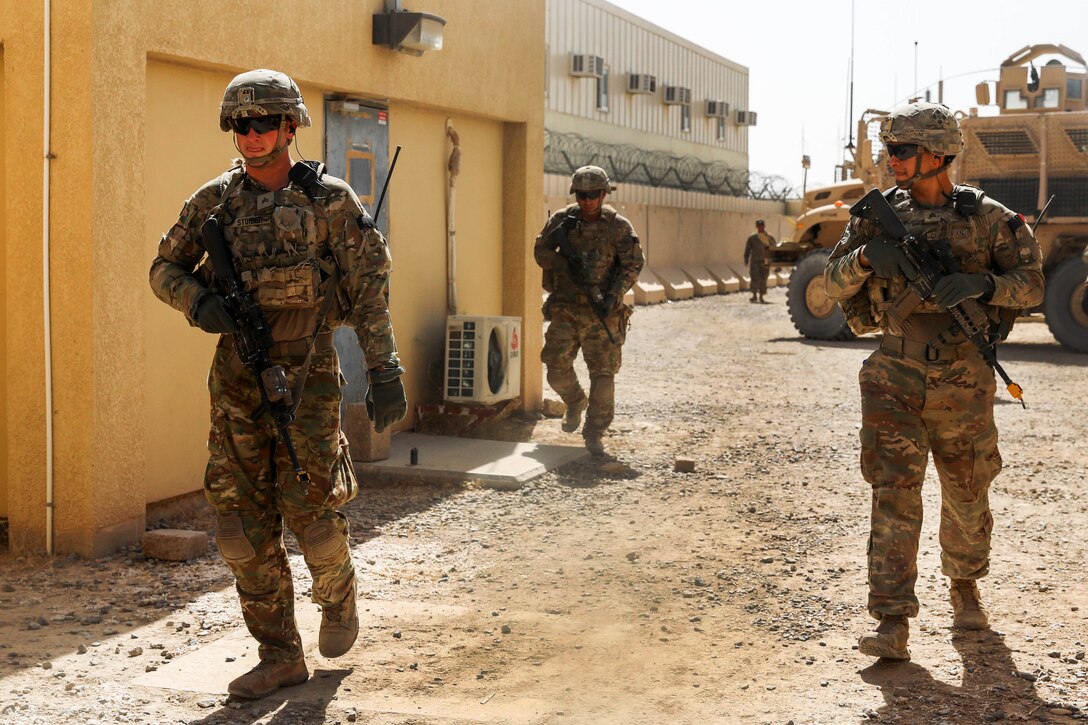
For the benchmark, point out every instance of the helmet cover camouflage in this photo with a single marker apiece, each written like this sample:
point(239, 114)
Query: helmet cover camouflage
point(929, 125)
point(590, 178)
point(262, 92)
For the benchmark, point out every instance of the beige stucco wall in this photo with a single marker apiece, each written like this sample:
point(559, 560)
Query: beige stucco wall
point(136, 140)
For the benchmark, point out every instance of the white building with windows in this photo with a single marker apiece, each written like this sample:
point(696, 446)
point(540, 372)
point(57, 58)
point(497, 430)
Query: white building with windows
point(669, 121)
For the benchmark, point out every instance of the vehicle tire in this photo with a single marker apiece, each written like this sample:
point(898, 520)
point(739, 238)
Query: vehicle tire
point(1061, 304)
point(813, 314)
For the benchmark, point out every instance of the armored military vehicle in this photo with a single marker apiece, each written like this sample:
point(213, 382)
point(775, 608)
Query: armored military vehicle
point(1034, 149)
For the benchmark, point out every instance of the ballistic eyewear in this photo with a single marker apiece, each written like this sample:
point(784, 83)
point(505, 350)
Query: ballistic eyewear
point(260, 124)
point(903, 151)
point(583, 195)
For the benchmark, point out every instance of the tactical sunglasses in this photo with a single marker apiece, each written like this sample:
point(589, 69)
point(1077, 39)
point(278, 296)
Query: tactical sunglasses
point(260, 124)
point(903, 151)
point(583, 195)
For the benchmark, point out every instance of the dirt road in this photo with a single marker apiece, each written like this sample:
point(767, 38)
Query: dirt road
point(628, 595)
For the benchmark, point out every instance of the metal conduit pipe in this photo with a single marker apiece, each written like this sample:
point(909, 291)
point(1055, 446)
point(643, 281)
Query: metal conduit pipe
point(454, 168)
point(47, 156)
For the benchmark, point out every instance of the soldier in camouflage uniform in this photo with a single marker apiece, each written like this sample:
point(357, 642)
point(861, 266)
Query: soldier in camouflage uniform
point(926, 389)
point(308, 254)
point(606, 245)
point(756, 252)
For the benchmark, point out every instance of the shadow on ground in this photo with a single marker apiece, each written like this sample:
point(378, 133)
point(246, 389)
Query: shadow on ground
point(49, 605)
point(991, 689)
point(306, 703)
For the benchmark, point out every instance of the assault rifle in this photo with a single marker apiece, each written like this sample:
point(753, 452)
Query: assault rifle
point(579, 273)
point(252, 341)
point(928, 263)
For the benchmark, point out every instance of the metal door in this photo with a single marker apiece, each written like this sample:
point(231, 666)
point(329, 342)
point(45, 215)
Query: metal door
point(357, 150)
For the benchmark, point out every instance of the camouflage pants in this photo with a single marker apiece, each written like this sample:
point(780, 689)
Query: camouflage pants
point(759, 273)
point(577, 327)
point(910, 408)
point(252, 485)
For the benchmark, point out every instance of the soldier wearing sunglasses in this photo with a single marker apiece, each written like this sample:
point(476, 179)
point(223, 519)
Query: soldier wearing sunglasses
point(309, 257)
point(607, 259)
point(927, 389)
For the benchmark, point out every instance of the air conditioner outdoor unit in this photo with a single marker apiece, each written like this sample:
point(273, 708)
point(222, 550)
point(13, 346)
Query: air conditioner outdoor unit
point(717, 109)
point(641, 83)
point(746, 118)
point(586, 66)
point(676, 95)
point(483, 359)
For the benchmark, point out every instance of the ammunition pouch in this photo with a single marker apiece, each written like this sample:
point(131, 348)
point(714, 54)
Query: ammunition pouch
point(858, 310)
point(297, 286)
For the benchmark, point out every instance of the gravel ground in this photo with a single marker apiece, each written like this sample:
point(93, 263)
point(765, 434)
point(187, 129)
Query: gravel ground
point(625, 593)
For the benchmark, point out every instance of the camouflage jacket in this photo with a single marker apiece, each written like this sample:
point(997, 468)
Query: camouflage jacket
point(758, 248)
point(994, 240)
point(608, 246)
point(286, 246)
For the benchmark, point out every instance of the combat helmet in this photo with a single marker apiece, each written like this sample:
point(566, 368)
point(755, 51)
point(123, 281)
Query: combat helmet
point(590, 178)
point(262, 92)
point(929, 125)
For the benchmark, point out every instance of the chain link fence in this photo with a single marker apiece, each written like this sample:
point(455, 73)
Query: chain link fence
point(627, 164)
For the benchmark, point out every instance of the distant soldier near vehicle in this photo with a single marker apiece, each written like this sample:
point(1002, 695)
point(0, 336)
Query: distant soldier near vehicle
point(291, 254)
point(757, 252)
point(930, 386)
point(591, 256)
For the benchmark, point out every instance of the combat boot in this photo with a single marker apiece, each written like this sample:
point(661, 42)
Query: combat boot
point(267, 677)
point(968, 611)
point(573, 417)
point(888, 640)
point(753, 299)
point(339, 627)
point(596, 447)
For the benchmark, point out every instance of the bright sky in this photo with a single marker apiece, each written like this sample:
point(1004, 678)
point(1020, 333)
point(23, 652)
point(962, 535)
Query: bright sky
point(798, 59)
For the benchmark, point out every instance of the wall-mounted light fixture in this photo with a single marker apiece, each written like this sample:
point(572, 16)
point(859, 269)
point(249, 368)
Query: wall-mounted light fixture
point(408, 32)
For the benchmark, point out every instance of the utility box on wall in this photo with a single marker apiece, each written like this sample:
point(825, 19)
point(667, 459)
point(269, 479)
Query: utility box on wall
point(483, 359)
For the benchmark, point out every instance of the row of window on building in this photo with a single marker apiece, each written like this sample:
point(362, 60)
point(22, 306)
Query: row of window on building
point(593, 66)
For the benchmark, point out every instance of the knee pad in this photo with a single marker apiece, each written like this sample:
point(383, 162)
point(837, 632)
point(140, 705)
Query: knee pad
point(324, 542)
point(230, 535)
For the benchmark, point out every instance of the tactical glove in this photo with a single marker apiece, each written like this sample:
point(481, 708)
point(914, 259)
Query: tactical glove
point(212, 316)
point(953, 289)
point(884, 257)
point(385, 403)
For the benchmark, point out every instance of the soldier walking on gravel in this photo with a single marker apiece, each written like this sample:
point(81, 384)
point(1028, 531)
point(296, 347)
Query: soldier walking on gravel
point(591, 257)
point(757, 252)
point(309, 257)
point(927, 389)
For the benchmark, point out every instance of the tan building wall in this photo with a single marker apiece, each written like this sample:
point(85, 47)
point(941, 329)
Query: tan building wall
point(135, 88)
point(5, 212)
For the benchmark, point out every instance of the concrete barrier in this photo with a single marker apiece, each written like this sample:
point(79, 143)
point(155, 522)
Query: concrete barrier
point(677, 285)
point(727, 279)
point(702, 280)
point(648, 290)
